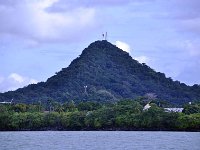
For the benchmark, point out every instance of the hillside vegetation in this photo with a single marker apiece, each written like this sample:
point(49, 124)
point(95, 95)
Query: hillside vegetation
point(104, 73)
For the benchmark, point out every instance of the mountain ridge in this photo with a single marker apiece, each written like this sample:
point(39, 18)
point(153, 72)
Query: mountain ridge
point(104, 72)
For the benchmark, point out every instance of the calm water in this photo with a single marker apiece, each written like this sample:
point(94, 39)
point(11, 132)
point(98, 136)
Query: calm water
point(103, 140)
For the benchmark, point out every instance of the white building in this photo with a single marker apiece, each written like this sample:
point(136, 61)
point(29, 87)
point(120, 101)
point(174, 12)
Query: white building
point(4, 102)
point(173, 109)
point(146, 107)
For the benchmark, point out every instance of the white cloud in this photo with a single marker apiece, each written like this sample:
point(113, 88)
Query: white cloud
point(15, 81)
point(142, 59)
point(33, 81)
point(16, 78)
point(32, 20)
point(124, 46)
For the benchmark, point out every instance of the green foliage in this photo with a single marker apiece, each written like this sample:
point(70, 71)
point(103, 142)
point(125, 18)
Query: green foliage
point(18, 121)
point(189, 122)
point(35, 120)
point(128, 107)
point(65, 120)
point(103, 117)
point(52, 119)
point(170, 121)
point(76, 120)
point(20, 108)
point(123, 115)
point(153, 117)
point(5, 121)
point(88, 106)
point(191, 109)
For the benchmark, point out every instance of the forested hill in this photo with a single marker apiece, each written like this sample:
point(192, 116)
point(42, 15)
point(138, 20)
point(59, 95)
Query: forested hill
point(104, 72)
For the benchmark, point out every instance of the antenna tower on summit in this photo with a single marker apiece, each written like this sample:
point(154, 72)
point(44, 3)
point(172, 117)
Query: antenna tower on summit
point(104, 36)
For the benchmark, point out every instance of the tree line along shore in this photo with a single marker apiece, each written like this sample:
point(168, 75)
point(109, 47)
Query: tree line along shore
point(121, 115)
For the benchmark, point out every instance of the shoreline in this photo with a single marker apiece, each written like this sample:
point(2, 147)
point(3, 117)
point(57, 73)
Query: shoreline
point(106, 129)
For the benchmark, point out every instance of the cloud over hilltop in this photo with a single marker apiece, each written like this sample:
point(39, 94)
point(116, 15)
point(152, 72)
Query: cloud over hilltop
point(14, 81)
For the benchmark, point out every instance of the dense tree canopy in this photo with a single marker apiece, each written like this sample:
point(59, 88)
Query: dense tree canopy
point(104, 73)
point(122, 115)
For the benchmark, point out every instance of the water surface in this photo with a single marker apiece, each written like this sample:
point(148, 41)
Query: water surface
point(99, 140)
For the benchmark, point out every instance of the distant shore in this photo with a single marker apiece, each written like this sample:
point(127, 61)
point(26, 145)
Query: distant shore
point(126, 115)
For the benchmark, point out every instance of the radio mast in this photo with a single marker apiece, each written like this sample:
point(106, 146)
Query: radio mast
point(105, 36)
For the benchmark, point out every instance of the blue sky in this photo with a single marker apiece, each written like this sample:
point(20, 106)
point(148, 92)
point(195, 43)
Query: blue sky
point(39, 37)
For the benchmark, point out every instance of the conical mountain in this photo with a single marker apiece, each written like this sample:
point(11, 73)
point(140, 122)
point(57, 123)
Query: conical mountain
point(104, 72)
